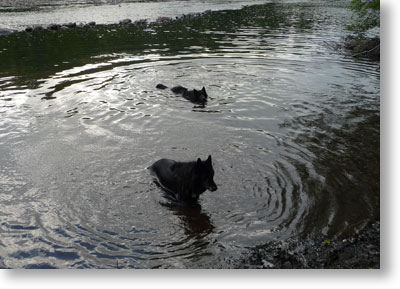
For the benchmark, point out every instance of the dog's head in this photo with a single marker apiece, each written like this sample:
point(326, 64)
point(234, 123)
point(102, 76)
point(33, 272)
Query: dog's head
point(204, 174)
point(201, 95)
point(204, 92)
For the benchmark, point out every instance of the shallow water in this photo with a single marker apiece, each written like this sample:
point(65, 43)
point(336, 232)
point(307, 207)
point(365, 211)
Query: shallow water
point(292, 124)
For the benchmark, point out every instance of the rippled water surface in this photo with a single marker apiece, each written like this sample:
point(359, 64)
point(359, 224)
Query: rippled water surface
point(292, 124)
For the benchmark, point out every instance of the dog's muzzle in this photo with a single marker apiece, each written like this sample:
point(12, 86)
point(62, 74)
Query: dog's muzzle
point(212, 188)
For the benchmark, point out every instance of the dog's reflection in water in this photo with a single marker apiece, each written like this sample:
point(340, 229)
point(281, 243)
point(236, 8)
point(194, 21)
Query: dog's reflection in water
point(196, 223)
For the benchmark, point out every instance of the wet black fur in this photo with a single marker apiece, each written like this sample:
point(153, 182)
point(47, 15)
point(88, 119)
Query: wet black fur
point(196, 96)
point(185, 180)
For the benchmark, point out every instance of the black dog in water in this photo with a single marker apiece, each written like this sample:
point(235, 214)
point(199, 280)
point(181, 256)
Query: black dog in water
point(197, 96)
point(185, 180)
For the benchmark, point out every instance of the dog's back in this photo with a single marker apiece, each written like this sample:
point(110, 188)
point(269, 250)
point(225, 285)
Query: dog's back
point(164, 170)
point(179, 89)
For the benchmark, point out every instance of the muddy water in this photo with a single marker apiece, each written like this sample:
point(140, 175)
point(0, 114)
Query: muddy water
point(292, 124)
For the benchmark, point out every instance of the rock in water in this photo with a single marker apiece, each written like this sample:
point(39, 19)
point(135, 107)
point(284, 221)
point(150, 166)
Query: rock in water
point(125, 21)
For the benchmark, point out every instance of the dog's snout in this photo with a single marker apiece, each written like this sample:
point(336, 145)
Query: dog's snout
point(212, 188)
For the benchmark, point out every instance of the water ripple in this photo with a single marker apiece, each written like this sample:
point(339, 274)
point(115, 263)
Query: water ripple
point(284, 123)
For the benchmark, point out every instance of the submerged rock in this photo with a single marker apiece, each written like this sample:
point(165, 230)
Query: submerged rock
point(37, 28)
point(125, 21)
point(191, 15)
point(141, 22)
point(4, 31)
point(70, 25)
point(163, 19)
point(53, 27)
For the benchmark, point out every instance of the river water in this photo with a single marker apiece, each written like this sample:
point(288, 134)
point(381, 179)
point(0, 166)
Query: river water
point(292, 124)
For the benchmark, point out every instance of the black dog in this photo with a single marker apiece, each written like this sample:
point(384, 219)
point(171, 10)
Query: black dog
point(196, 96)
point(185, 180)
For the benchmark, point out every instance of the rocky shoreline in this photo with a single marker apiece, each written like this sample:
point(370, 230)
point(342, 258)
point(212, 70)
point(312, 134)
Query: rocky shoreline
point(359, 46)
point(359, 252)
point(363, 47)
point(124, 22)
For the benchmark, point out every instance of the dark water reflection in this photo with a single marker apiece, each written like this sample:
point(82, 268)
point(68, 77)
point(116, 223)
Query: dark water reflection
point(292, 125)
point(348, 159)
point(195, 222)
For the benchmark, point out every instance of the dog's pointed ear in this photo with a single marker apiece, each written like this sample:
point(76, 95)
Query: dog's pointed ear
point(198, 161)
point(203, 89)
point(209, 160)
